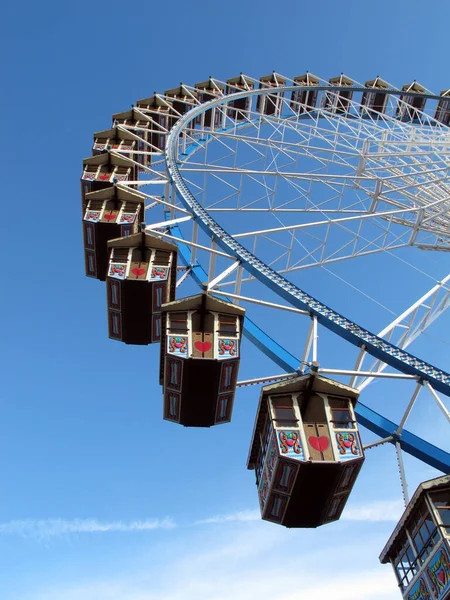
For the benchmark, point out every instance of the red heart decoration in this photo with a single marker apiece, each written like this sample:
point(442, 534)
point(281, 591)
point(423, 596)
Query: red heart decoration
point(347, 444)
point(319, 443)
point(136, 271)
point(290, 442)
point(110, 217)
point(202, 346)
point(441, 576)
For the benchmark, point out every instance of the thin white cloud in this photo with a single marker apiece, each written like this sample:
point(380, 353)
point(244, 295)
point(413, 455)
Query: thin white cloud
point(381, 510)
point(243, 516)
point(48, 528)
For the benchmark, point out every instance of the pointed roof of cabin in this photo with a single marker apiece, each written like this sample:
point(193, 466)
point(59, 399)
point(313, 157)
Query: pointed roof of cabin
point(138, 239)
point(105, 158)
point(116, 193)
point(116, 133)
point(212, 303)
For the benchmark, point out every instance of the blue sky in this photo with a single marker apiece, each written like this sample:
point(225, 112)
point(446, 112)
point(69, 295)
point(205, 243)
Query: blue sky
point(99, 498)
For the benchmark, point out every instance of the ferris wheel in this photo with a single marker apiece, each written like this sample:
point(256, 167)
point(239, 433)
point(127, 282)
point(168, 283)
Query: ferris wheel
point(246, 186)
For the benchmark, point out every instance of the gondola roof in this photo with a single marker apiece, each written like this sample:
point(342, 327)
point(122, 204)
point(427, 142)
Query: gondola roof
point(139, 239)
point(115, 132)
point(211, 303)
point(108, 158)
point(116, 193)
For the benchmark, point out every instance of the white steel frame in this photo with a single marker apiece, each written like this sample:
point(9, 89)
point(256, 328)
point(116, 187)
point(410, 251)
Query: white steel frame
point(376, 170)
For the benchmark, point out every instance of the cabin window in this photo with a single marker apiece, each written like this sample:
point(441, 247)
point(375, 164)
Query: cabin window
point(162, 258)
point(227, 325)
point(114, 295)
point(340, 414)
point(91, 266)
point(336, 507)
point(158, 295)
point(172, 406)
point(223, 402)
point(89, 235)
point(423, 532)
point(405, 564)
point(285, 477)
point(277, 508)
point(341, 418)
point(227, 378)
point(156, 331)
point(265, 433)
point(120, 255)
point(441, 501)
point(344, 484)
point(178, 322)
point(223, 409)
point(114, 325)
point(174, 372)
point(283, 411)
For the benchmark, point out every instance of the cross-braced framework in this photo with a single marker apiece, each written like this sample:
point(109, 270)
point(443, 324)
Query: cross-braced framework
point(259, 180)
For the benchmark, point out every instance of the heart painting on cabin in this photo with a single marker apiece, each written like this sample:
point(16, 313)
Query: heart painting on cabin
point(138, 272)
point(318, 443)
point(202, 346)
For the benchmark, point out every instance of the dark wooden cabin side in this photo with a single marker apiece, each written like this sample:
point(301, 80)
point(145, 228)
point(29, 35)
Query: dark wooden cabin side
point(339, 101)
point(206, 91)
point(305, 451)
point(270, 104)
point(104, 171)
point(141, 277)
point(239, 109)
point(110, 213)
point(200, 360)
point(303, 101)
point(442, 113)
point(410, 106)
point(161, 112)
point(373, 99)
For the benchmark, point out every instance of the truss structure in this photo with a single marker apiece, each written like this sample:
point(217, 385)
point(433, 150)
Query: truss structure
point(259, 179)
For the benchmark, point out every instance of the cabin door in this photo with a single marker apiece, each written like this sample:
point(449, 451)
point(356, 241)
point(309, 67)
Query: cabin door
point(319, 442)
point(202, 345)
point(110, 215)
